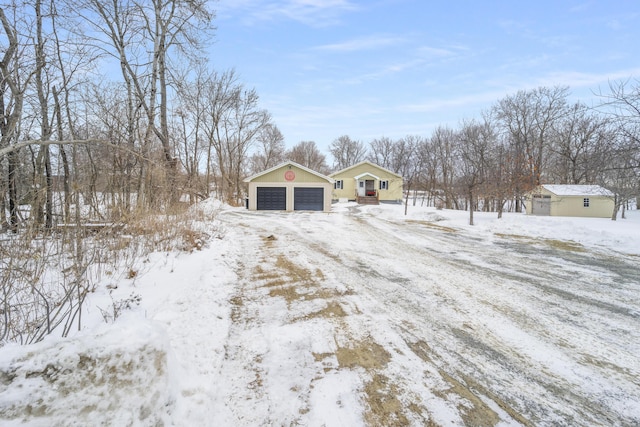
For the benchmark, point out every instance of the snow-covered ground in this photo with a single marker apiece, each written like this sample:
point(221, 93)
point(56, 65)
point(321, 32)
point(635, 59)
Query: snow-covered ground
point(361, 316)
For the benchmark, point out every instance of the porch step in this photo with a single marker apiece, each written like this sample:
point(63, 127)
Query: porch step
point(368, 200)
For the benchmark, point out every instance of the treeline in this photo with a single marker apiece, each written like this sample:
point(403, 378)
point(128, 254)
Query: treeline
point(115, 104)
point(530, 138)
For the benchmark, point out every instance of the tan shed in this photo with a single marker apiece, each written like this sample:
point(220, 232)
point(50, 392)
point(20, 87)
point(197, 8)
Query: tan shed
point(571, 200)
point(289, 187)
point(367, 181)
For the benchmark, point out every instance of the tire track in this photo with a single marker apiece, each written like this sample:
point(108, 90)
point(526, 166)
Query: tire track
point(493, 343)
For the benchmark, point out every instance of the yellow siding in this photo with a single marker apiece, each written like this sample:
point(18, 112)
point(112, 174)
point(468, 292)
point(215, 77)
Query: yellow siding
point(599, 206)
point(278, 176)
point(302, 178)
point(393, 193)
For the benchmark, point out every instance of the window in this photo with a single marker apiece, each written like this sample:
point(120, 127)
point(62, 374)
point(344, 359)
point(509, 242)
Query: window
point(361, 184)
point(585, 202)
point(338, 185)
point(384, 185)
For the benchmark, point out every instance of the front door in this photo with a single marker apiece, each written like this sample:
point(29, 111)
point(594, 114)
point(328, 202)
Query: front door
point(361, 188)
point(366, 187)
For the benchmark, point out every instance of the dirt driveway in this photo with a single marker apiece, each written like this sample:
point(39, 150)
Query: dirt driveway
point(349, 319)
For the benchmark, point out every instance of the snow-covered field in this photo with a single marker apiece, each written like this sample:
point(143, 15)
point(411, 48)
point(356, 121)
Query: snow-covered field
point(362, 316)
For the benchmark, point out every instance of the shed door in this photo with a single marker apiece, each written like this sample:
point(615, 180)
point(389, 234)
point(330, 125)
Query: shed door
point(271, 199)
point(541, 205)
point(308, 198)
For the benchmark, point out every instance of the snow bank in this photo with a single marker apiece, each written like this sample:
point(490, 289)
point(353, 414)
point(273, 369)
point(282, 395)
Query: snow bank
point(117, 375)
point(595, 233)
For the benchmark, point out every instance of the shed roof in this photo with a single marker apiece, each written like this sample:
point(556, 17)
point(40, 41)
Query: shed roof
point(290, 163)
point(578, 190)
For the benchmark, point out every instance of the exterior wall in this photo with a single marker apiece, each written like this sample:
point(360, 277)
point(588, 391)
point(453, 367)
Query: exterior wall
point(276, 178)
point(349, 190)
point(599, 206)
point(278, 175)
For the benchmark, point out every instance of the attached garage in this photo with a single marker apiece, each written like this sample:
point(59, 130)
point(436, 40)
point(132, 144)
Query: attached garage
point(289, 187)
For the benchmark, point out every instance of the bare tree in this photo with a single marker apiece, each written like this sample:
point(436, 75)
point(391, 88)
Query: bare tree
point(219, 97)
point(403, 154)
point(306, 153)
point(427, 179)
point(500, 175)
point(271, 151)
point(475, 140)
point(122, 28)
point(231, 122)
point(190, 124)
point(528, 118)
point(582, 147)
point(407, 163)
point(622, 104)
point(241, 128)
point(381, 151)
point(42, 203)
point(623, 179)
point(347, 152)
point(14, 81)
point(443, 144)
point(170, 24)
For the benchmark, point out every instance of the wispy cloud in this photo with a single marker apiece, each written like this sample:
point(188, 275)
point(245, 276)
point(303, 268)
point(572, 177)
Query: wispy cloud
point(389, 69)
point(437, 104)
point(484, 99)
point(437, 52)
point(575, 79)
point(363, 43)
point(316, 13)
point(581, 7)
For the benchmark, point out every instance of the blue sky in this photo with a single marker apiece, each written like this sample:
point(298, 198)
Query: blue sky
point(367, 69)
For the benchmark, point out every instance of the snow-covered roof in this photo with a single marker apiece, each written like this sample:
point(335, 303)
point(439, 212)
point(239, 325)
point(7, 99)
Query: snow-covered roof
point(578, 190)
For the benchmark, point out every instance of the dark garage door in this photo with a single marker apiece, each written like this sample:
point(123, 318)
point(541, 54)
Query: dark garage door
point(308, 199)
point(271, 199)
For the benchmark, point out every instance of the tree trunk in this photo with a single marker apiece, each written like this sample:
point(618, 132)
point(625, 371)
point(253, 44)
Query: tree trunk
point(471, 204)
point(13, 165)
point(48, 189)
point(65, 160)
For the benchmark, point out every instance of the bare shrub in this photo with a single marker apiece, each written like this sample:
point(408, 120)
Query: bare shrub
point(45, 278)
point(116, 308)
point(42, 288)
